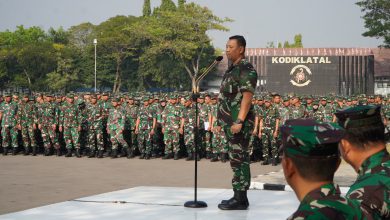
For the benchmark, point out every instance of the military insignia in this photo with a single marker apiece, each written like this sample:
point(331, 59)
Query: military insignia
point(300, 75)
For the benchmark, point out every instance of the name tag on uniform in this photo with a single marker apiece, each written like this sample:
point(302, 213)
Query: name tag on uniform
point(206, 125)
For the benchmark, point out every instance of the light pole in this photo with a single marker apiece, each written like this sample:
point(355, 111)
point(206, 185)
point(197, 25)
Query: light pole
point(95, 43)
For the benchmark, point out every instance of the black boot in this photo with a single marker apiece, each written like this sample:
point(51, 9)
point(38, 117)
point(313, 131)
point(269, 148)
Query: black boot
point(58, 152)
point(47, 151)
point(265, 162)
point(34, 150)
point(176, 157)
point(114, 153)
point(167, 156)
point(100, 154)
point(78, 153)
point(69, 153)
point(5, 151)
point(130, 153)
point(142, 156)
point(91, 153)
point(214, 158)
point(208, 155)
point(224, 157)
point(238, 202)
point(147, 156)
point(190, 157)
point(14, 151)
point(26, 151)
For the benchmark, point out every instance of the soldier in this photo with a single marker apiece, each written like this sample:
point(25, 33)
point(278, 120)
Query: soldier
point(116, 126)
point(94, 114)
point(258, 112)
point(326, 111)
point(70, 124)
point(284, 111)
point(58, 106)
point(236, 116)
point(106, 106)
point(187, 128)
point(172, 119)
point(145, 126)
point(47, 124)
point(310, 159)
point(26, 116)
point(203, 112)
point(9, 119)
point(131, 119)
point(268, 132)
point(297, 109)
point(219, 141)
point(364, 148)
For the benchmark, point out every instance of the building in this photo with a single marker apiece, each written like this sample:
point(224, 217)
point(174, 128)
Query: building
point(318, 71)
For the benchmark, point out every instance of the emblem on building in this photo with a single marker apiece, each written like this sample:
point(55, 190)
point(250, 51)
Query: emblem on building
point(300, 75)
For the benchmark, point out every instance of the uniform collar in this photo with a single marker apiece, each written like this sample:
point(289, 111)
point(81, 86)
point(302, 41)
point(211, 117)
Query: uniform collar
point(321, 192)
point(373, 161)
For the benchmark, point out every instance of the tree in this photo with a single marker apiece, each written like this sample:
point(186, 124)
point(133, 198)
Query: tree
point(377, 19)
point(147, 9)
point(167, 5)
point(181, 4)
point(175, 42)
point(270, 44)
point(116, 45)
point(80, 36)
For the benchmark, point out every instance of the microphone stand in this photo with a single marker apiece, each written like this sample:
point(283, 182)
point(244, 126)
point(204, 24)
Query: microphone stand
point(195, 95)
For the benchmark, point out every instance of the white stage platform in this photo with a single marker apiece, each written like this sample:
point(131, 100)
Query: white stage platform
point(150, 203)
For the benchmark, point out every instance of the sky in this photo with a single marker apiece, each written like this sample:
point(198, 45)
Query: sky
point(322, 23)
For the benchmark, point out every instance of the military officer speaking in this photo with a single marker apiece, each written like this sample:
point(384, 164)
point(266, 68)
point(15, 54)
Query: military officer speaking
point(236, 117)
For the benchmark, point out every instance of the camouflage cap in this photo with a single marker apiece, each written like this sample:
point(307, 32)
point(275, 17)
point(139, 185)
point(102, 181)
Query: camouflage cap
point(359, 116)
point(145, 98)
point(70, 95)
point(308, 138)
point(116, 99)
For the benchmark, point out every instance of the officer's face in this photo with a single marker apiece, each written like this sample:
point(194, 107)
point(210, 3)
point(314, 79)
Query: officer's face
point(201, 100)
point(25, 99)
point(93, 100)
point(277, 99)
point(105, 98)
point(146, 103)
point(207, 99)
point(234, 51)
point(114, 103)
point(260, 102)
point(267, 104)
point(163, 104)
point(172, 101)
point(131, 101)
point(323, 102)
point(309, 101)
point(286, 103)
point(8, 99)
point(70, 100)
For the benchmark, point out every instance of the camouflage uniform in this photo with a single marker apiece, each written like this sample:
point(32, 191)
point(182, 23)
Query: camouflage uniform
point(219, 141)
point(305, 139)
point(237, 79)
point(171, 117)
point(94, 113)
point(47, 121)
point(26, 115)
point(269, 118)
point(106, 106)
point(372, 186)
point(116, 125)
point(70, 121)
point(326, 112)
point(204, 136)
point(146, 115)
point(297, 111)
point(326, 202)
point(9, 131)
point(131, 118)
point(189, 125)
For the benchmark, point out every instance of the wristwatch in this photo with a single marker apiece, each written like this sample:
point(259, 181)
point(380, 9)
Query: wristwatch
point(239, 121)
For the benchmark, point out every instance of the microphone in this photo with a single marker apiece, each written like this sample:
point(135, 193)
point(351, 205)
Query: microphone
point(212, 65)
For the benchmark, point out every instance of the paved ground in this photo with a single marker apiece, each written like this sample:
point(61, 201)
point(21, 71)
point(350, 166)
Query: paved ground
point(27, 182)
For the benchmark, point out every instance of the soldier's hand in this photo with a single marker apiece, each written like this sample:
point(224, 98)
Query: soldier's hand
point(19, 127)
point(34, 127)
point(61, 128)
point(217, 128)
point(79, 128)
point(136, 131)
point(254, 132)
point(54, 127)
point(163, 130)
point(260, 135)
point(39, 126)
point(275, 134)
point(151, 132)
point(181, 130)
point(236, 128)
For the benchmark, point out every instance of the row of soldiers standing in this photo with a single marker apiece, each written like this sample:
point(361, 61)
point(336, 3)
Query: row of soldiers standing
point(155, 126)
